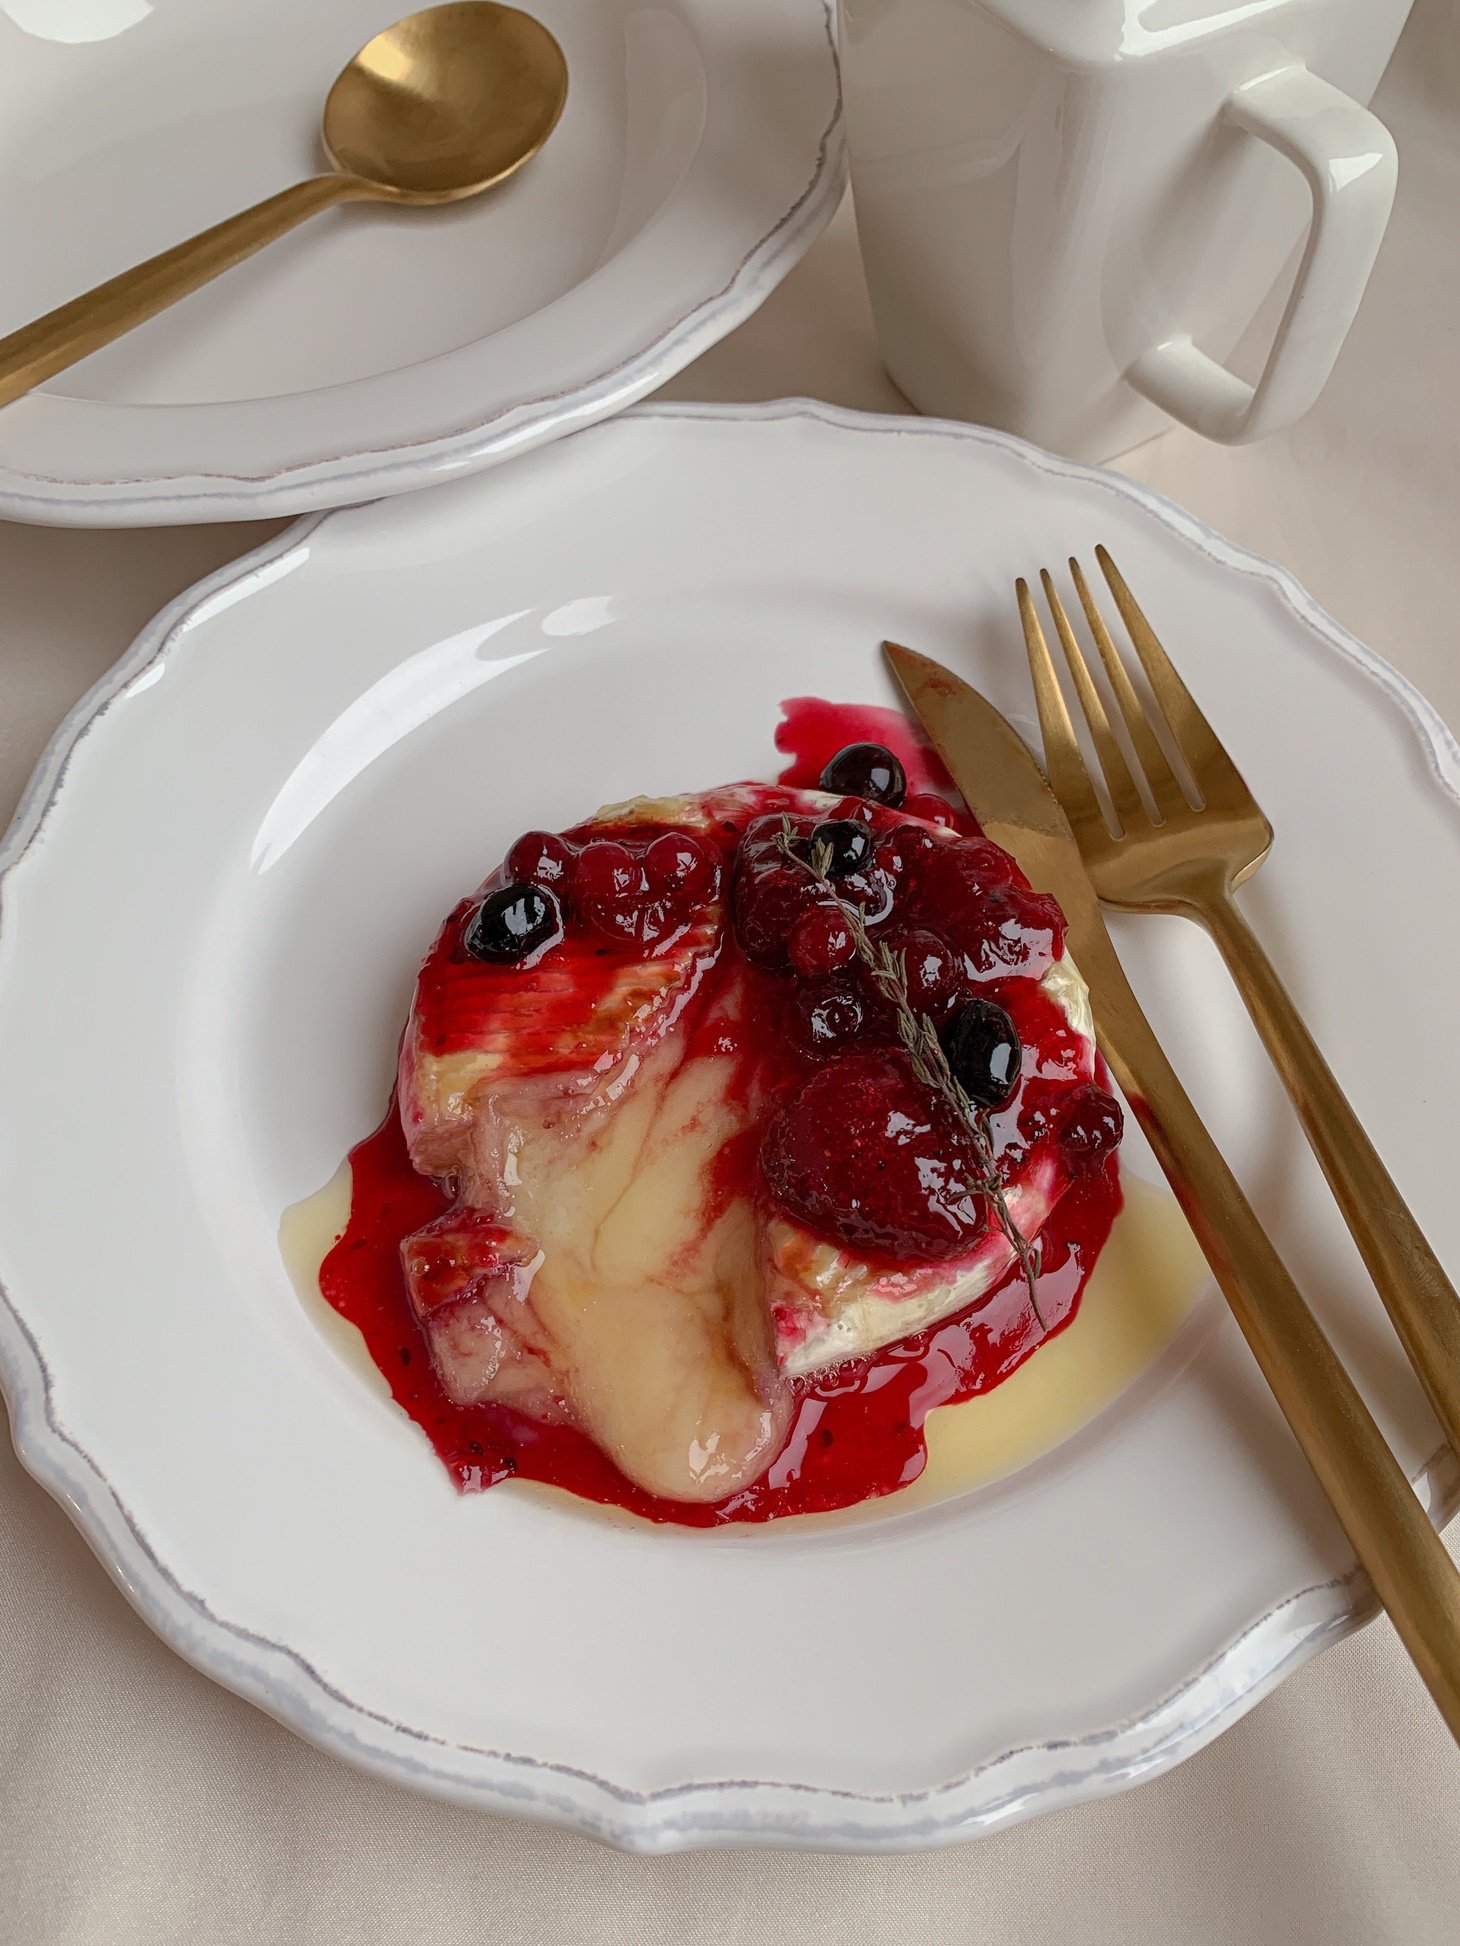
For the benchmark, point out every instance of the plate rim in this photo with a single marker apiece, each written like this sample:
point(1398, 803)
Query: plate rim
point(347, 478)
point(727, 1811)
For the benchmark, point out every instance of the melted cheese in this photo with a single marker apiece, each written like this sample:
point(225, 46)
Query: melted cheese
point(1149, 1276)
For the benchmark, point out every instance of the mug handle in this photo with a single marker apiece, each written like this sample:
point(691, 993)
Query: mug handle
point(1349, 159)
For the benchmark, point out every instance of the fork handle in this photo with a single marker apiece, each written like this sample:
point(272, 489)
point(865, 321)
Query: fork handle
point(1419, 1297)
point(1396, 1544)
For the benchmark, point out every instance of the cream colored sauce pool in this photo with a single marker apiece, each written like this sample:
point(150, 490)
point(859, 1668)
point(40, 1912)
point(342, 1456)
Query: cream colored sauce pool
point(1146, 1282)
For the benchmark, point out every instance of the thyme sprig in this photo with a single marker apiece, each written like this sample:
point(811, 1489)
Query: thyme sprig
point(887, 971)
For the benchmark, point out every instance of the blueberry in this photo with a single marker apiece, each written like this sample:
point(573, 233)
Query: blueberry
point(982, 1045)
point(848, 846)
point(511, 923)
point(866, 770)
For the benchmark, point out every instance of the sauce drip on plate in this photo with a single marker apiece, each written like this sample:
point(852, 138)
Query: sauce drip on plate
point(857, 1430)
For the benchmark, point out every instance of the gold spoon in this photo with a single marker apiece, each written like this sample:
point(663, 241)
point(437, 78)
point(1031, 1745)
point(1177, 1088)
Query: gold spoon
point(440, 106)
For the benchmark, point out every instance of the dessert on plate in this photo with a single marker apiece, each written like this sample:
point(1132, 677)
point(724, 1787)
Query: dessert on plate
point(733, 1132)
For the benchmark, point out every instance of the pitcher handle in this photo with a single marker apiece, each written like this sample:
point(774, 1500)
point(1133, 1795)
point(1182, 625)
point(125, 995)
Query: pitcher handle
point(1349, 160)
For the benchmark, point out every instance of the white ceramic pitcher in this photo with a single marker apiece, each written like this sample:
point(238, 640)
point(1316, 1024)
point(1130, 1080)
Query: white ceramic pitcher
point(1070, 210)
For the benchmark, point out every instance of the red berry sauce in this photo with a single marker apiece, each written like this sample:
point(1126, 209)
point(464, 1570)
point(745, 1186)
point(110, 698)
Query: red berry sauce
point(857, 1431)
point(811, 732)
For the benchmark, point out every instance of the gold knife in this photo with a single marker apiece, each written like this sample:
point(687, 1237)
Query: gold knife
point(1391, 1534)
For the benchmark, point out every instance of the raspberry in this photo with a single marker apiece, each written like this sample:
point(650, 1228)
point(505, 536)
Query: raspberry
point(1001, 932)
point(951, 877)
point(867, 1154)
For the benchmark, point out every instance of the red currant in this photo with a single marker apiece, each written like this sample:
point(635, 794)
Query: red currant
point(768, 892)
point(871, 892)
point(540, 858)
point(820, 941)
point(935, 976)
point(1090, 1127)
point(607, 873)
point(680, 869)
point(826, 1015)
point(899, 852)
point(930, 807)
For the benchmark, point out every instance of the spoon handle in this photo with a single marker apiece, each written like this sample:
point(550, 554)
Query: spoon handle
point(38, 351)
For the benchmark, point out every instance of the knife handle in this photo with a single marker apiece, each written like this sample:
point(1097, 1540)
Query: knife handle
point(1402, 1554)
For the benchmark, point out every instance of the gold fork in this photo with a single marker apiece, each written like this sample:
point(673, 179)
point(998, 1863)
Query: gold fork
point(1187, 860)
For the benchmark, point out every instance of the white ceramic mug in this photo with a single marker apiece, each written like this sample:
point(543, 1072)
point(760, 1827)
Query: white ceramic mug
point(1070, 210)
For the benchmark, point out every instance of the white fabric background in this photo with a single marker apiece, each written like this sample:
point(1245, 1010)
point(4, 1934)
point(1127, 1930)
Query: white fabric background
point(138, 1803)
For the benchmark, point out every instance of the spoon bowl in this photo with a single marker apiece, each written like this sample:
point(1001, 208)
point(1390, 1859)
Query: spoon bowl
point(446, 102)
point(440, 106)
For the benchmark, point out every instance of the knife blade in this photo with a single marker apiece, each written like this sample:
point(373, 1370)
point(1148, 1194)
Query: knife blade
point(1005, 789)
point(1391, 1534)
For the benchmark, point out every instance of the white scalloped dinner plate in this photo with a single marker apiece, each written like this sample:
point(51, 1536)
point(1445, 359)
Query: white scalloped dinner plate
point(213, 902)
point(375, 350)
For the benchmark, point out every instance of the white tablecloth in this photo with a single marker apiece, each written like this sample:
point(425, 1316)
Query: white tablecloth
point(140, 1803)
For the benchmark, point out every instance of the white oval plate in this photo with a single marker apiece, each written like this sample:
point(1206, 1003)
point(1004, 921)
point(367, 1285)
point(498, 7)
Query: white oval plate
point(375, 350)
point(216, 895)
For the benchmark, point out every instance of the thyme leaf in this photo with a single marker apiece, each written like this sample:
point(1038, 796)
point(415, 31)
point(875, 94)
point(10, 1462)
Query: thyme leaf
point(887, 972)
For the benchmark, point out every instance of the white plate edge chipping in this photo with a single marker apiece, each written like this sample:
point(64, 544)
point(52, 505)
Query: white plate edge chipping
point(1020, 1782)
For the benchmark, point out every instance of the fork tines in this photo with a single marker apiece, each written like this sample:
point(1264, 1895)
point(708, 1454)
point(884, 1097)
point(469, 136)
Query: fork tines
point(1162, 741)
